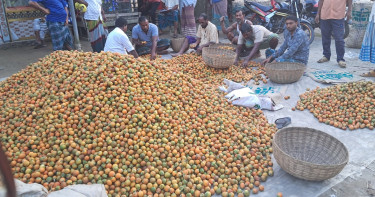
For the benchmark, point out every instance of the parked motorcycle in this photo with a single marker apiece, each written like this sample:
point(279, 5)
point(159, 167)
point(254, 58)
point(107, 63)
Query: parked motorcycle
point(309, 12)
point(273, 17)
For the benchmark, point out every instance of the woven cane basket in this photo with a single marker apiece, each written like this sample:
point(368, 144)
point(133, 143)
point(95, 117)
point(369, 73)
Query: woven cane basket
point(285, 72)
point(218, 58)
point(230, 47)
point(176, 44)
point(308, 153)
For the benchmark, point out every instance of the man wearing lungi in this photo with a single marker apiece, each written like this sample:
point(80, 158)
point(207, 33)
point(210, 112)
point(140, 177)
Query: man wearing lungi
point(145, 37)
point(188, 26)
point(95, 19)
point(206, 35)
point(240, 19)
point(57, 21)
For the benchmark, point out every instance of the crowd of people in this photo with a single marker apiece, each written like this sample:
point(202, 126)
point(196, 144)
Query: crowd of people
point(247, 37)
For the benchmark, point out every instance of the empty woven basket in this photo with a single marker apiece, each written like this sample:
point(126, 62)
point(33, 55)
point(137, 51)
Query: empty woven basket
point(285, 72)
point(308, 153)
point(218, 58)
point(176, 44)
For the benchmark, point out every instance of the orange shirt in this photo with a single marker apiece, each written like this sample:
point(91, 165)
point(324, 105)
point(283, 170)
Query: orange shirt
point(333, 9)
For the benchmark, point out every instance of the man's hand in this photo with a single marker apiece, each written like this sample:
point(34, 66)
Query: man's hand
point(317, 18)
point(192, 46)
point(175, 7)
point(46, 11)
point(264, 62)
point(245, 63)
point(222, 19)
point(348, 16)
point(153, 56)
point(199, 49)
point(66, 22)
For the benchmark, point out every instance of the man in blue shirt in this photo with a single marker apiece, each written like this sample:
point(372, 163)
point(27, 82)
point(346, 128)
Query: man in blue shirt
point(295, 47)
point(57, 21)
point(145, 37)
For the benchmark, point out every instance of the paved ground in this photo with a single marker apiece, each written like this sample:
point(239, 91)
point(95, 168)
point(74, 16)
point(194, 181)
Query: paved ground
point(357, 178)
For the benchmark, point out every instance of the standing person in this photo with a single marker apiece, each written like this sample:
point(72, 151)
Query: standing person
point(296, 45)
point(118, 41)
point(145, 37)
point(206, 35)
point(219, 9)
point(95, 19)
point(368, 45)
point(331, 15)
point(149, 8)
point(240, 19)
point(40, 30)
point(169, 16)
point(188, 26)
point(57, 22)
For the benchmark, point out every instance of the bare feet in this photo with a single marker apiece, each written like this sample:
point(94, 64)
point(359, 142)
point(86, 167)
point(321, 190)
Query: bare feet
point(176, 54)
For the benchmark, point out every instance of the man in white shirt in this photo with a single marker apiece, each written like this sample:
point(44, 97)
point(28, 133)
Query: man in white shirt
point(95, 19)
point(118, 41)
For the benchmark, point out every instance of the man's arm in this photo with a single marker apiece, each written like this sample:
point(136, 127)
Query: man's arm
point(320, 5)
point(349, 4)
point(134, 53)
point(225, 30)
point(252, 53)
point(153, 47)
point(103, 15)
point(198, 41)
point(238, 51)
point(39, 7)
point(67, 15)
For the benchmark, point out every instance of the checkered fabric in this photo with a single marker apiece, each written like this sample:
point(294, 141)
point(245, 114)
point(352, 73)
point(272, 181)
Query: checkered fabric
point(60, 35)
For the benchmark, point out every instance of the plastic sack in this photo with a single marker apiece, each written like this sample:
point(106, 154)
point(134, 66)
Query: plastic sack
point(30, 190)
point(360, 18)
point(94, 190)
point(244, 97)
point(231, 86)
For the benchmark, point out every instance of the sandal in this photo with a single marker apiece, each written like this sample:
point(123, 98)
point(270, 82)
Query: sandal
point(283, 122)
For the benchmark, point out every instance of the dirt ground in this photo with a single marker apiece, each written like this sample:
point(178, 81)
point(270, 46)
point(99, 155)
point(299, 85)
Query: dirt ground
point(359, 180)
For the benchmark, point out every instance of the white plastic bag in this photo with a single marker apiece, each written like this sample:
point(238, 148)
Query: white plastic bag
point(94, 190)
point(30, 190)
point(244, 97)
point(231, 86)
